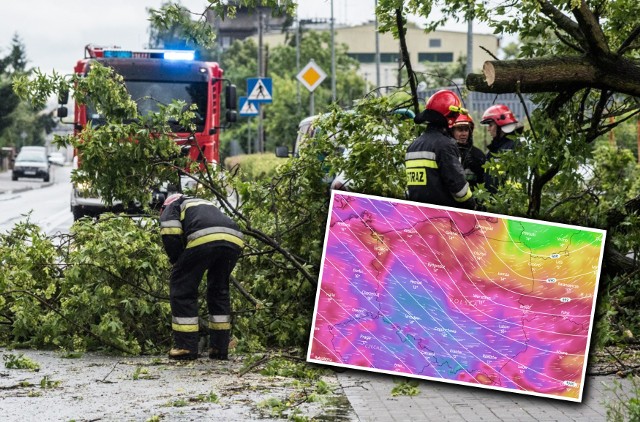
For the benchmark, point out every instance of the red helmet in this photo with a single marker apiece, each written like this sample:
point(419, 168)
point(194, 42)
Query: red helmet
point(171, 199)
point(501, 115)
point(446, 103)
point(463, 120)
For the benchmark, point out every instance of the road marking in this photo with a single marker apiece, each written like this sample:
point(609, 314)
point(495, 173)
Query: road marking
point(7, 196)
point(55, 220)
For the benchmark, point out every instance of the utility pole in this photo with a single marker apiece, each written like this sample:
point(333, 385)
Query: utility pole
point(399, 67)
point(469, 68)
point(260, 137)
point(377, 51)
point(333, 58)
point(298, 57)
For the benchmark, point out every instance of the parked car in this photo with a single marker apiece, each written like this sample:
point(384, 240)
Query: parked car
point(57, 158)
point(31, 162)
point(34, 148)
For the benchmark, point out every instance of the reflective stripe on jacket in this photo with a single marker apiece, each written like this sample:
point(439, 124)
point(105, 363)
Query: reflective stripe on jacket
point(190, 222)
point(434, 172)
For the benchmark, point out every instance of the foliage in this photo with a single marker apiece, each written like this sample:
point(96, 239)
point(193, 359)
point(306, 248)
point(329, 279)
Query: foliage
point(286, 368)
point(559, 172)
point(292, 208)
point(172, 27)
point(283, 115)
point(103, 287)
point(20, 123)
point(275, 406)
point(440, 74)
point(46, 383)
point(253, 166)
point(405, 388)
point(212, 397)
point(626, 405)
point(12, 361)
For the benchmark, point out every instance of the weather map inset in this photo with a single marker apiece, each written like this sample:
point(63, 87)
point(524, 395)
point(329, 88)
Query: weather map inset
point(456, 296)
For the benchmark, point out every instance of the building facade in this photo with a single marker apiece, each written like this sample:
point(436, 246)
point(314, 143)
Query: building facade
point(425, 49)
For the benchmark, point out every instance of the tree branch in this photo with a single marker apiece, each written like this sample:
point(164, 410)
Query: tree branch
point(626, 44)
point(489, 52)
point(568, 43)
point(592, 31)
point(563, 22)
point(257, 234)
point(592, 132)
point(244, 292)
point(572, 198)
point(406, 60)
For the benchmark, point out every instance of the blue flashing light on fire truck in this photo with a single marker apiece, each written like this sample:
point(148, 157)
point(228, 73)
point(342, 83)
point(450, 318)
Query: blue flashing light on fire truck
point(157, 77)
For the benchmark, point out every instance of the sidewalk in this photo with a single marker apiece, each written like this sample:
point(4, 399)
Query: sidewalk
point(109, 388)
point(370, 397)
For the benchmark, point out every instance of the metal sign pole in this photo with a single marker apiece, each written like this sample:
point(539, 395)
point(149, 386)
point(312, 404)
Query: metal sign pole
point(312, 106)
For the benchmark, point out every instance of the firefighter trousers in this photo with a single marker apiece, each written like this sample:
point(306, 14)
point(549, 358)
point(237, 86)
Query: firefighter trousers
point(186, 275)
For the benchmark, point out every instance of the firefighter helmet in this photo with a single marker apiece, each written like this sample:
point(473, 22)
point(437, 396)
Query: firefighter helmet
point(501, 116)
point(464, 120)
point(442, 107)
point(171, 199)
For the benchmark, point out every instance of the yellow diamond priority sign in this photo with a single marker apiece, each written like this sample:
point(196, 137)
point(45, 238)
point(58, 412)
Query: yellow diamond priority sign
point(311, 76)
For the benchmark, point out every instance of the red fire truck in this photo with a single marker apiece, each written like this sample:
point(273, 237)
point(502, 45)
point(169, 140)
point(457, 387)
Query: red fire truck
point(155, 77)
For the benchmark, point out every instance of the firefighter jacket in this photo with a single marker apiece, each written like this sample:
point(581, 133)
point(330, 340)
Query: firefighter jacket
point(472, 161)
point(189, 222)
point(496, 147)
point(434, 172)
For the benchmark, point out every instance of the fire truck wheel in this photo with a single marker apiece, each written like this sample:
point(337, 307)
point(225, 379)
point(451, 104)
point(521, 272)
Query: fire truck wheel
point(77, 213)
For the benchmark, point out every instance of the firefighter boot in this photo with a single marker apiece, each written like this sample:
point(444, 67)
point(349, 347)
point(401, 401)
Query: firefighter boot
point(182, 354)
point(219, 344)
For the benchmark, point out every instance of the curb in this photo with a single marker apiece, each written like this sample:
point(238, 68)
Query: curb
point(24, 189)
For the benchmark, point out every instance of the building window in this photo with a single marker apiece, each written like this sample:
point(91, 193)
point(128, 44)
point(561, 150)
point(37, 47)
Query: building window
point(371, 57)
point(435, 57)
point(363, 57)
point(435, 42)
point(389, 57)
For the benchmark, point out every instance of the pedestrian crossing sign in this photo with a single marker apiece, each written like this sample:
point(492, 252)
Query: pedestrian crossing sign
point(248, 108)
point(260, 90)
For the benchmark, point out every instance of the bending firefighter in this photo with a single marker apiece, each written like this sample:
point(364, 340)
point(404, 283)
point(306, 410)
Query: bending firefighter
point(434, 172)
point(198, 237)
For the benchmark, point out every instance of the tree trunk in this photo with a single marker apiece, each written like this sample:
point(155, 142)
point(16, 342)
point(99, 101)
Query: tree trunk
point(617, 263)
point(407, 60)
point(557, 74)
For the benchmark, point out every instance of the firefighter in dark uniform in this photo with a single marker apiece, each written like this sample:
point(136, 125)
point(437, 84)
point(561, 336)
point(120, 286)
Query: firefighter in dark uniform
point(434, 172)
point(198, 237)
point(472, 157)
point(501, 125)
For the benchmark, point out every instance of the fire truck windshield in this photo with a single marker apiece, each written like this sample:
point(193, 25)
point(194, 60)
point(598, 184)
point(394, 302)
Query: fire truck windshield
point(149, 95)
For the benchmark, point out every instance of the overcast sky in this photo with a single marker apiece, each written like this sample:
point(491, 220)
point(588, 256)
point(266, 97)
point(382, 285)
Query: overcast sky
point(55, 32)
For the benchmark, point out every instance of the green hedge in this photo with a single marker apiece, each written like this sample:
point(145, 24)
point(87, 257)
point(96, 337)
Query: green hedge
point(254, 166)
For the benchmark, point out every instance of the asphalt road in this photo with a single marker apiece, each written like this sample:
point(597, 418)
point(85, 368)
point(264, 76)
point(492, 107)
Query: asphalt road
point(47, 203)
